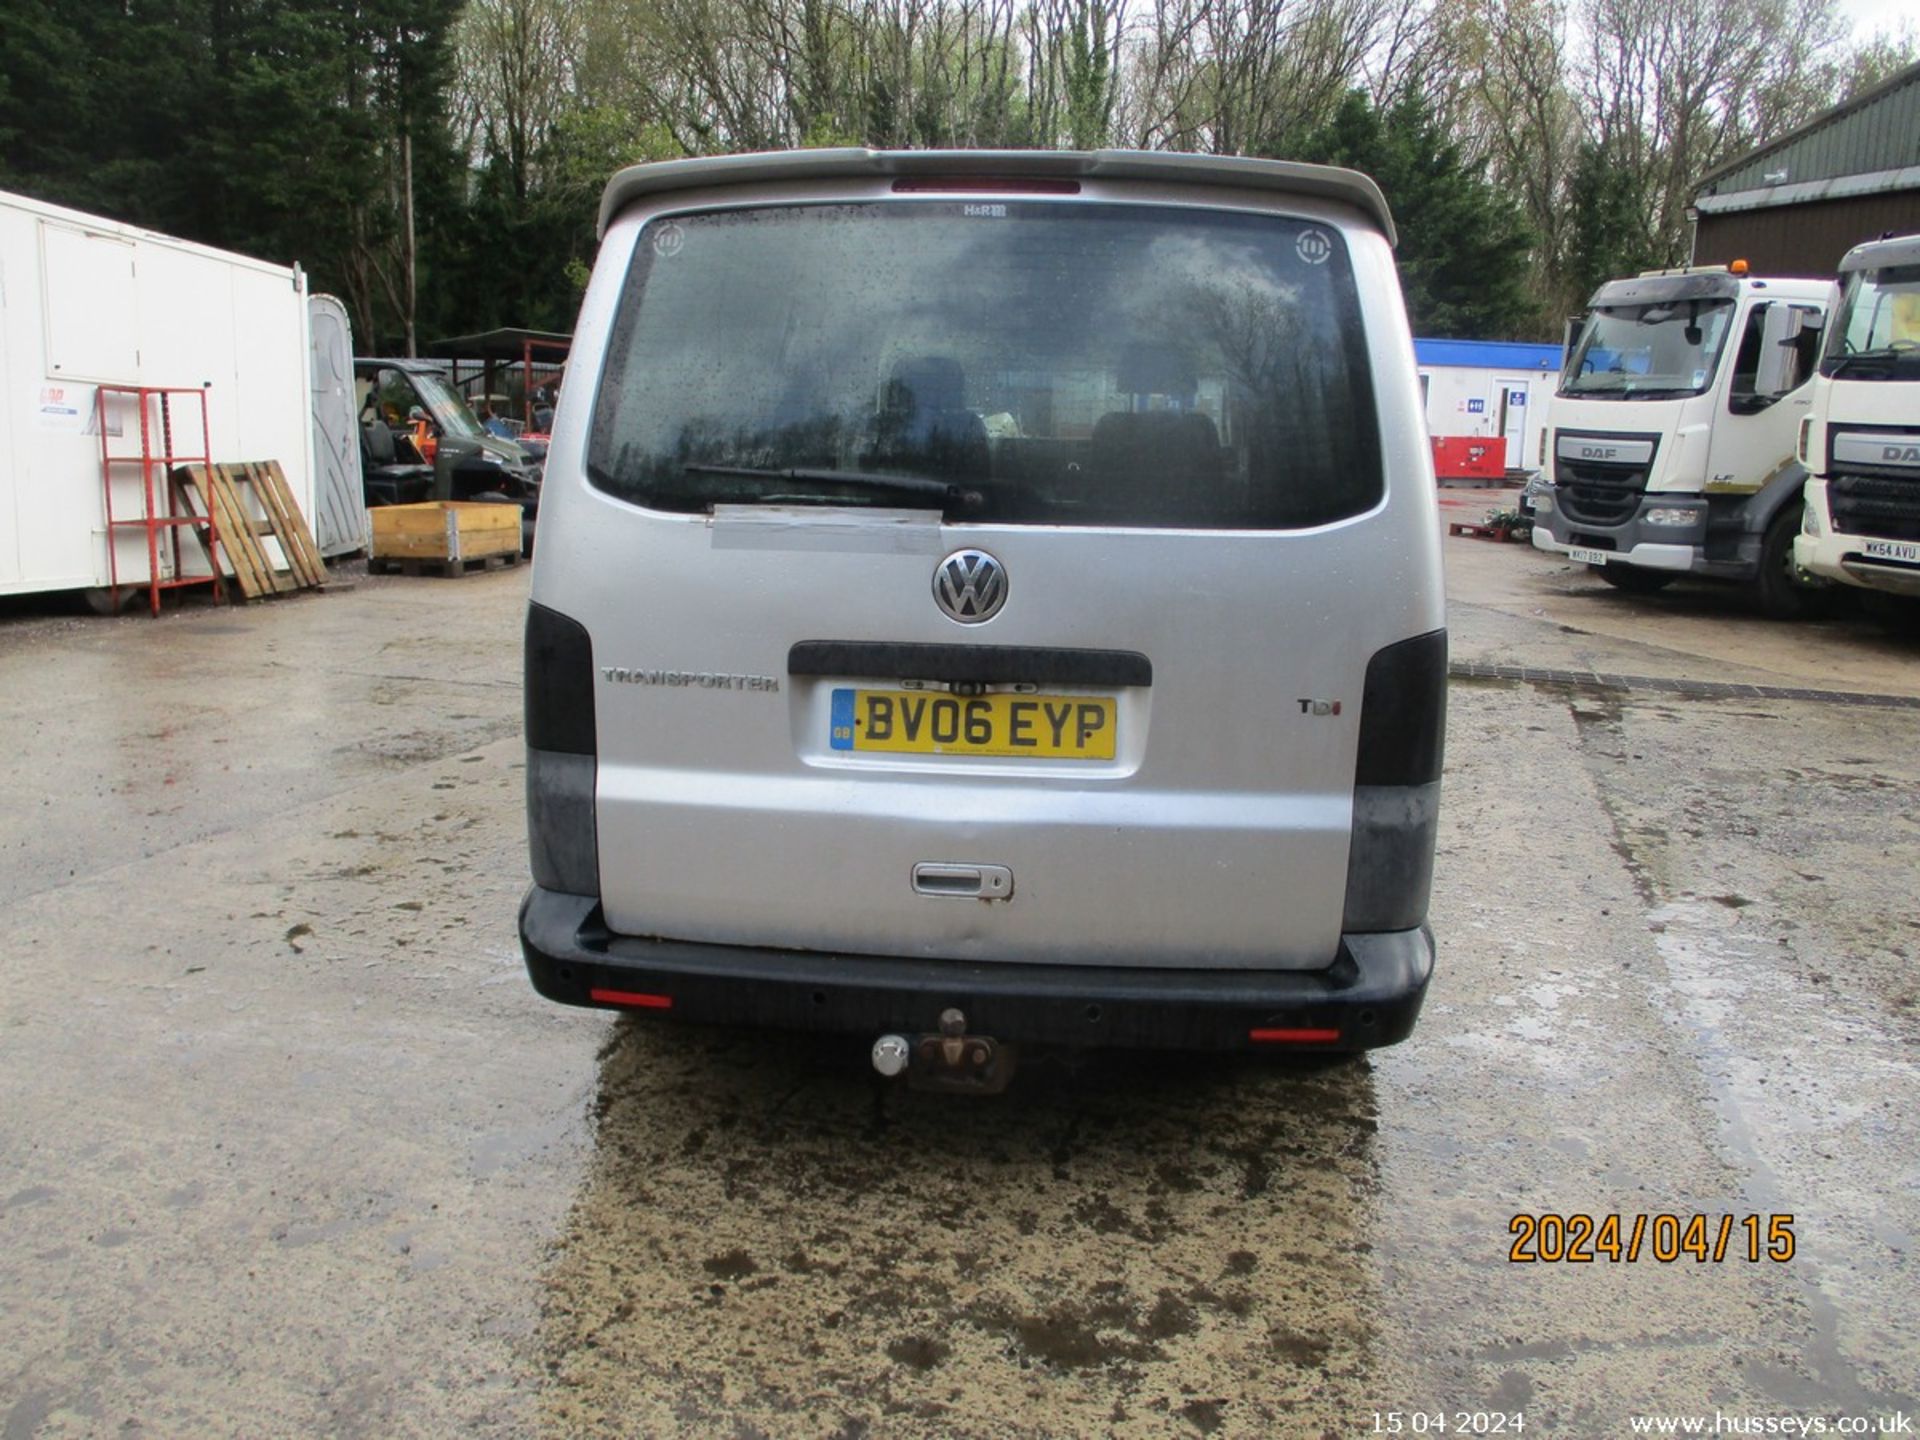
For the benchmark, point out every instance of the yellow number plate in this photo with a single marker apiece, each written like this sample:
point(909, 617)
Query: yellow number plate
point(932, 722)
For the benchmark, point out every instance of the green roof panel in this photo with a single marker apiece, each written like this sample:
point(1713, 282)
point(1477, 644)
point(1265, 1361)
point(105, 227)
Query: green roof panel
point(1872, 133)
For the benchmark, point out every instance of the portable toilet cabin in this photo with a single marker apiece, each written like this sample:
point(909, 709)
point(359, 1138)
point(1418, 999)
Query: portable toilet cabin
point(1486, 403)
point(340, 504)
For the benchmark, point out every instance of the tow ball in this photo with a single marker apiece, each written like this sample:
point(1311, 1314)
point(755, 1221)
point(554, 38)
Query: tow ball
point(951, 1060)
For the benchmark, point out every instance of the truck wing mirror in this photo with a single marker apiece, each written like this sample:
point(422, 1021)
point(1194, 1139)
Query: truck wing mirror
point(1800, 321)
point(1781, 365)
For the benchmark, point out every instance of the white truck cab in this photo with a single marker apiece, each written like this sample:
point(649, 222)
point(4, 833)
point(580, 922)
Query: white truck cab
point(1861, 441)
point(1671, 448)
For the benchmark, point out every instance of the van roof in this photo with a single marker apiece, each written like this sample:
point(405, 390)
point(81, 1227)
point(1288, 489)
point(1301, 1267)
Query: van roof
point(1283, 176)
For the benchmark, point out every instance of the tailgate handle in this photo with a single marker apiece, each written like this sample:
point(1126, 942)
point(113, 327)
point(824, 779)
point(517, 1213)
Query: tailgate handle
point(968, 882)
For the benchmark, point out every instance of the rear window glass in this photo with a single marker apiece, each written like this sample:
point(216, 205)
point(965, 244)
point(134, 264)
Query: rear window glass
point(1049, 363)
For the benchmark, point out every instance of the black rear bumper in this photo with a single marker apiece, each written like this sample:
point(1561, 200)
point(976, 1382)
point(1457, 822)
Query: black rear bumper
point(1369, 996)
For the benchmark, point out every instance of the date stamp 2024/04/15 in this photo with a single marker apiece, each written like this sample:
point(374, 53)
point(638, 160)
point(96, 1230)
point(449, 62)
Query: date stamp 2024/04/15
point(1581, 1239)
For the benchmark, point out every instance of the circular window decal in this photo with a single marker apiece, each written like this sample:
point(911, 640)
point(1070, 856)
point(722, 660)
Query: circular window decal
point(1315, 247)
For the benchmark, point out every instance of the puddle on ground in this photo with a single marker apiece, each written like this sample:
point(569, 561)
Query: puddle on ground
point(1131, 1245)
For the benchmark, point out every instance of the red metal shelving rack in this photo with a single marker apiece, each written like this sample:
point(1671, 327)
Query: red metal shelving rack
point(157, 489)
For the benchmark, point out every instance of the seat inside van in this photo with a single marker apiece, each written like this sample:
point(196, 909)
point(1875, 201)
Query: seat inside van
point(924, 421)
point(1155, 459)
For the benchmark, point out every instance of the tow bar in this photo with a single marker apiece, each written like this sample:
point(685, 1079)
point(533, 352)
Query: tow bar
point(951, 1060)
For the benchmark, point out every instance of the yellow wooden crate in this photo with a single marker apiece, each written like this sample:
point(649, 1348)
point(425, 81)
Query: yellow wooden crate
point(449, 530)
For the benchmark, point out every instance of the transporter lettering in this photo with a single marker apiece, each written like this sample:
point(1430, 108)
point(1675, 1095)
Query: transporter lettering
point(688, 679)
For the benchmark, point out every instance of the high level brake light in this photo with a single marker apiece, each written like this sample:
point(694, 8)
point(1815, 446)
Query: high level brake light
point(983, 185)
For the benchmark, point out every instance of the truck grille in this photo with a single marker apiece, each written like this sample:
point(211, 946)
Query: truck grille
point(1884, 503)
point(1591, 492)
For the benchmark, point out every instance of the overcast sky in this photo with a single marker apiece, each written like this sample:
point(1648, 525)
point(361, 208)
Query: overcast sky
point(1871, 15)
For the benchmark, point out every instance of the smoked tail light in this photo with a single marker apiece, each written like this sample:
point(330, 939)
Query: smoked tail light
point(1396, 786)
point(1403, 713)
point(562, 843)
point(559, 683)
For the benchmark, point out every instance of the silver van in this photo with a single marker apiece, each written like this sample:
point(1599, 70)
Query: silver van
point(989, 598)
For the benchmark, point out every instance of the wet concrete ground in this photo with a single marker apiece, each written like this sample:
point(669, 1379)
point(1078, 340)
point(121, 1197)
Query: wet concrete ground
point(287, 1146)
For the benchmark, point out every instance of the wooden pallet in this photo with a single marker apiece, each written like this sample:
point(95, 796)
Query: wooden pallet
point(439, 565)
point(260, 526)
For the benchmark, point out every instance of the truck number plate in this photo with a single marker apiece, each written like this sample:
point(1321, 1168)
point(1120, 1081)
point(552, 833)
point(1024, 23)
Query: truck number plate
point(920, 722)
point(1904, 550)
point(1588, 557)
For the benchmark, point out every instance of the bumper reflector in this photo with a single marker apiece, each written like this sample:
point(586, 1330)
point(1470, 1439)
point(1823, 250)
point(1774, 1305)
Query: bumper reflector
point(1293, 1036)
point(633, 998)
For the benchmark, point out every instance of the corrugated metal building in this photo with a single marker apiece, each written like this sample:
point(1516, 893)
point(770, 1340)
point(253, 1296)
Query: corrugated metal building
point(1796, 206)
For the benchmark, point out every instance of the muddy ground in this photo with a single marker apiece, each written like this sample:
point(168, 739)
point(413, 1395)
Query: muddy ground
point(288, 1146)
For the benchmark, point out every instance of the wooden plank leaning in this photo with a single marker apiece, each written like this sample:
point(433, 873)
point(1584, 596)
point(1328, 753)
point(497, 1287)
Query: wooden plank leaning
point(269, 579)
point(186, 499)
point(201, 484)
point(250, 504)
point(290, 526)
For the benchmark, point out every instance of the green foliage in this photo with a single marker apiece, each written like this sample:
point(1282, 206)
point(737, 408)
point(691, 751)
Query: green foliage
point(1464, 251)
point(1611, 214)
point(445, 179)
point(1089, 80)
point(271, 127)
point(92, 95)
point(1880, 58)
point(827, 132)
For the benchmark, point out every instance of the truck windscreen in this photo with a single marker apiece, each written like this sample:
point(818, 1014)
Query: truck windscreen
point(1649, 352)
point(1019, 362)
point(1876, 334)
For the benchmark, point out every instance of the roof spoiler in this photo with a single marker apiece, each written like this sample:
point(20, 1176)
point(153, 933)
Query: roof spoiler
point(1348, 187)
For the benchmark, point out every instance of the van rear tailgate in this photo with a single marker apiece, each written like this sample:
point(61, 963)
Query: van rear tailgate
point(1215, 833)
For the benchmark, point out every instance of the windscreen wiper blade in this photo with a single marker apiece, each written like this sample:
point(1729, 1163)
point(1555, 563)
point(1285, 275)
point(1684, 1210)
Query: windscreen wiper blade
point(942, 490)
point(1886, 358)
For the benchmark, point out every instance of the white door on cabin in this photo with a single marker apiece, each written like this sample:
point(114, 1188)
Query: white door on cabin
point(1511, 393)
point(92, 310)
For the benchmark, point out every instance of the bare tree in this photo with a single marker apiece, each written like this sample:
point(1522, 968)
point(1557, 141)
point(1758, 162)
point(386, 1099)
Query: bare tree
point(1071, 50)
point(1245, 76)
point(1660, 91)
point(517, 61)
point(1517, 110)
point(1882, 55)
point(1674, 88)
